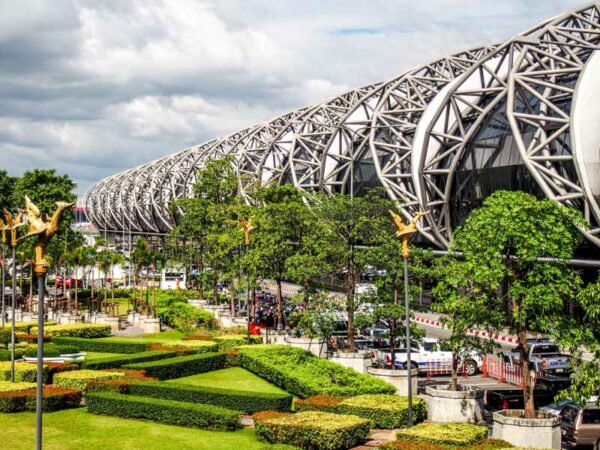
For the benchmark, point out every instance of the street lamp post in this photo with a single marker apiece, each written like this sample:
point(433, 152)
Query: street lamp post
point(4, 229)
point(404, 232)
point(247, 228)
point(44, 232)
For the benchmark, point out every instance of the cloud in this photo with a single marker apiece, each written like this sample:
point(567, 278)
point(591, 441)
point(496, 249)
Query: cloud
point(92, 88)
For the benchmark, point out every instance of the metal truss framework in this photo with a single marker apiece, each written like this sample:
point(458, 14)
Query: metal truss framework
point(413, 130)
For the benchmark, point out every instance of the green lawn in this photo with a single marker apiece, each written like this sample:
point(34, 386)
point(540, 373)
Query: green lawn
point(165, 336)
point(76, 429)
point(233, 378)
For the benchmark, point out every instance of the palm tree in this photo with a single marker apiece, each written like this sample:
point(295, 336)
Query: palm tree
point(115, 258)
point(104, 264)
point(140, 258)
point(93, 259)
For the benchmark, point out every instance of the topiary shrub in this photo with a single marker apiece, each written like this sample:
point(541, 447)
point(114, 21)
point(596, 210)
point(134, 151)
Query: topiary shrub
point(182, 366)
point(82, 330)
point(384, 411)
point(102, 345)
point(452, 434)
point(79, 379)
point(118, 361)
point(248, 402)
point(24, 372)
point(313, 430)
point(165, 411)
point(53, 399)
point(5, 354)
point(325, 403)
point(196, 346)
point(7, 386)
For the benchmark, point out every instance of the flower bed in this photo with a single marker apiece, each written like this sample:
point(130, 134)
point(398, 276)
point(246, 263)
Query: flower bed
point(181, 366)
point(248, 402)
point(165, 411)
point(79, 379)
point(117, 361)
point(102, 345)
point(304, 374)
point(81, 330)
point(449, 434)
point(23, 372)
point(313, 430)
point(231, 341)
point(53, 399)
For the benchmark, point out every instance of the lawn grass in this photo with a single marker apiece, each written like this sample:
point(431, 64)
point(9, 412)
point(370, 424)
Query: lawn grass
point(165, 336)
point(233, 378)
point(76, 429)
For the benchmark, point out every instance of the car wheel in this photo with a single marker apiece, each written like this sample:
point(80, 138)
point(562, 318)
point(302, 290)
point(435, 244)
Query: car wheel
point(470, 368)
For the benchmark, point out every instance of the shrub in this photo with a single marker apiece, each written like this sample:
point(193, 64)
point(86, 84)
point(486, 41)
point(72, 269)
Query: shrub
point(122, 386)
point(5, 354)
point(24, 372)
point(485, 444)
point(26, 327)
point(203, 335)
point(181, 366)
point(384, 411)
point(451, 434)
point(7, 386)
point(165, 411)
point(325, 403)
point(248, 402)
point(51, 351)
point(195, 346)
point(118, 361)
point(82, 330)
point(31, 338)
point(54, 368)
point(304, 374)
point(231, 341)
point(53, 399)
point(313, 430)
point(102, 345)
point(186, 317)
point(79, 379)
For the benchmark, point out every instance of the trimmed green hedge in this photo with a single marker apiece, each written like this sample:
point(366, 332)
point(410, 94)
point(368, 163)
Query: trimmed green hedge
point(182, 366)
point(5, 354)
point(248, 402)
point(384, 411)
point(313, 430)
point(118, 361)
point(102, 345)
point(304, 374)
point(451, 434)
point(53, 399)
point(24, 372)
point(195, 346)
point(82, 330)
point(485, 444)
point(25, 327)
point(231, 341)
point(79, 379)
point(165, 411)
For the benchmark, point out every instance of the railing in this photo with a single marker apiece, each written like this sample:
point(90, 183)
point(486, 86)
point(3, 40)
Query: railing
point(504, 372)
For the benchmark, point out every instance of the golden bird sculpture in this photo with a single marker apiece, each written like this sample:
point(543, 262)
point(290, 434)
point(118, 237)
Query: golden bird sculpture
point(404, 231)
point(44, 230)
point(246, 227)
point(13, 224)
point(3, 228)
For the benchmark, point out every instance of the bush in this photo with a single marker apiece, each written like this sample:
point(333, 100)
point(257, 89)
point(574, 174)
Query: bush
point(384, 411)
point(486, 444)
point(5, 354)
point(26, 327)
point(103, 345)
point(451, 434)
point(325, 403)
point(231, 341)
point(51, 351)
point(7, 386)
point(186, 317)
point(53, 399)
point(54, 368)
point(194, 345)
point(181, 366)
point(304, 374)
point(31, 338)
point(313, 430)
point(165, 411)
point(24, 372)
point(118, 361)
point(248, 402)
point(79, 379)
point(82, 330)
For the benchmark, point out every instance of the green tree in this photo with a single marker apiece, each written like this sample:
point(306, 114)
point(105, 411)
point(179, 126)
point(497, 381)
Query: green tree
point(346, 223)
point(7, 185)
point(502, 241)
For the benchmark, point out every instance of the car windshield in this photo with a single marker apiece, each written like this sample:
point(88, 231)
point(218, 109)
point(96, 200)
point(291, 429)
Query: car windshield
point(591, 416)
point(545, 348)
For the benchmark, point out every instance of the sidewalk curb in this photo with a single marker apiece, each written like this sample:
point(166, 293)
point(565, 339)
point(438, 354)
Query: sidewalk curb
point(473, 332)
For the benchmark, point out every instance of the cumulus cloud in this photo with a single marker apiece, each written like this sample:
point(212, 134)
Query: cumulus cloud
point(92, 88)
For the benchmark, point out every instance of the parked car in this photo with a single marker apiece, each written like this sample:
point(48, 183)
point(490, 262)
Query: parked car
point(544, 356)
point(544, 391)
point(427, 356)
point(581, 425)
point(68, 282)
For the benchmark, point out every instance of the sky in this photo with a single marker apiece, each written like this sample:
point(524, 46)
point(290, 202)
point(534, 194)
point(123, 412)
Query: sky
point(92, 88)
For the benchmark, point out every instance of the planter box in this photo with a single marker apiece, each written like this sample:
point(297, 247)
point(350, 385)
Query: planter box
point(316, 346)
point(543, 432)
point(398, 378)
point(359, 361)
point(446, 406)
point(151, 326)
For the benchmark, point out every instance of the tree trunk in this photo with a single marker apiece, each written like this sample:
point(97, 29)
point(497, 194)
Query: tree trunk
point(350, 281)
point(92, 289)
point(76, 289)
point(279, 308)
point(526, 375)
point(232, 298)
point(200, 276)
point(454, 377)
point(216, 289)
point(393, 343)
point(253, 304)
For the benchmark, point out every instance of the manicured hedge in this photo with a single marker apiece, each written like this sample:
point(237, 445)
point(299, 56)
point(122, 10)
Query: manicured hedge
point(26, 327)
point(248, 402)
point(102, 345)
point(451, 434)
point(304, 374)
point(23, 372)
point(165, 411)
point(82, 330)
point(195, 346)
point(117, 361)
point(51, 350)
point(313, 430)
point(181, 366)
point(5, 354)
point(485, 444)
point(53, 399)
point(230, 341)
point(79, 379)
point(7, 386)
